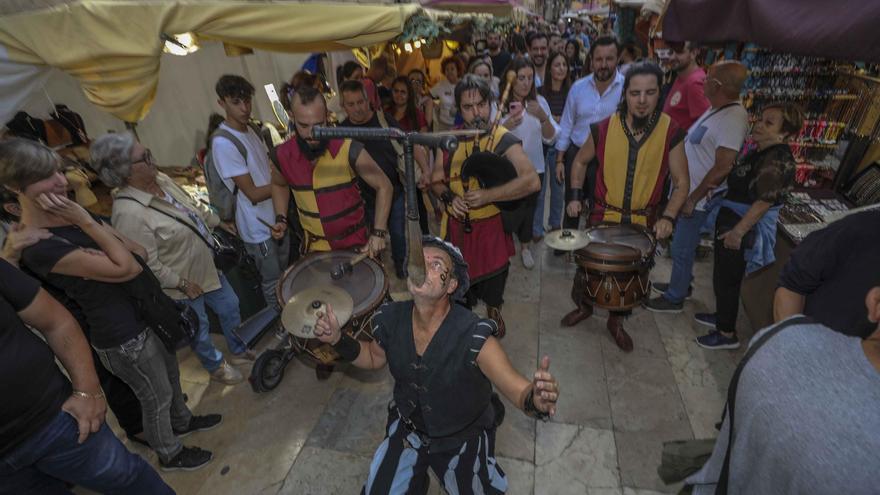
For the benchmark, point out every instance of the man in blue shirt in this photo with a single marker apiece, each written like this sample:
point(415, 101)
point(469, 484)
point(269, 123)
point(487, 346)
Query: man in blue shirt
point(591, 100)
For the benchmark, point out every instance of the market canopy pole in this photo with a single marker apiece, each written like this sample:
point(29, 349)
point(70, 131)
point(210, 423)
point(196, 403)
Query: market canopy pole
point(842, 29)
point(113, 47)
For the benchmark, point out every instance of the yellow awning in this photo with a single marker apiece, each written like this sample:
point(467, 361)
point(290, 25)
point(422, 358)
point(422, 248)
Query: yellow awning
point(113, 47)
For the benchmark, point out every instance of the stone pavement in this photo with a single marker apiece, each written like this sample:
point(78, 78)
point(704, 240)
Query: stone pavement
point(309, 437)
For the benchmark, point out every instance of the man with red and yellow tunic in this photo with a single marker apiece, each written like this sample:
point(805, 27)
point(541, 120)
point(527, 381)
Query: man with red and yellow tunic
point(323, 177)
point(637, 148)
point(471, 220)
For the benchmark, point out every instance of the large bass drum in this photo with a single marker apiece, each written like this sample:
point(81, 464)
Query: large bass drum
point(365, 283)
point(618, 263)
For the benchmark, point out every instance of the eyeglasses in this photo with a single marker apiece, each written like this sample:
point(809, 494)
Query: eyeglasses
point(147, 158)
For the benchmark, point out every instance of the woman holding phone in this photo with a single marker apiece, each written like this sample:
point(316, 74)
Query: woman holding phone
point(527, 116)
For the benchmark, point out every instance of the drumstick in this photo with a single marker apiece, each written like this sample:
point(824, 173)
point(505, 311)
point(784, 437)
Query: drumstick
point(272, 228)
point(347, 266)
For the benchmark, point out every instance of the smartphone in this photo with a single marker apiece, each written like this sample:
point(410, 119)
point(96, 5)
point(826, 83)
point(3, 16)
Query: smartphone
point(516, 107)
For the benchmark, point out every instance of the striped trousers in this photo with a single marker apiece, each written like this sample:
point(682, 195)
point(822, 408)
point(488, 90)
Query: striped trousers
point(400, 465)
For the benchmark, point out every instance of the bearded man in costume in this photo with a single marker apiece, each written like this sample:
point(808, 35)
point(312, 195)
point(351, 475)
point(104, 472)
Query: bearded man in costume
point(471, 221)
point(323, 176)
point(637, 147)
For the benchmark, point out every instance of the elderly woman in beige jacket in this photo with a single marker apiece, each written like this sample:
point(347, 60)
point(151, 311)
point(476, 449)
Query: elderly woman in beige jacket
point(151, 209)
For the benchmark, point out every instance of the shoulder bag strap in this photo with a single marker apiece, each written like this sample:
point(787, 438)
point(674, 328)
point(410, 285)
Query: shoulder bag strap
point(724, 478)
point(179, 220)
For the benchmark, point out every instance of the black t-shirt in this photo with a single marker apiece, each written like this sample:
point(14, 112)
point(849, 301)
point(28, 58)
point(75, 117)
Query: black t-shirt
point(384, 155)
point(835, 268)
point(499, 63)
point(766, 175)
point(32, 387)
point(107, 308)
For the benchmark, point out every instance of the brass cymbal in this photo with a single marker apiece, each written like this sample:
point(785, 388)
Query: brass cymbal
point(300, 314)
point(567, 239)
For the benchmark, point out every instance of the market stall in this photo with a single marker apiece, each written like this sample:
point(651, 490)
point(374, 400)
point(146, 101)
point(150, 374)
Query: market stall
point(103, 58)
point(820, 55)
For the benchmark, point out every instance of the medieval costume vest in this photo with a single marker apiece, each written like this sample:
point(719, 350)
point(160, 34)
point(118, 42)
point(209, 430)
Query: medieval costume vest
point(487, 248)
point(327, 197)
point(631, 174)
point(443, 392)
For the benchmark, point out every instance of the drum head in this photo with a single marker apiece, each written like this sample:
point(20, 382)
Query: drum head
point(612, 252)
point(366, 283)
point(630, 236)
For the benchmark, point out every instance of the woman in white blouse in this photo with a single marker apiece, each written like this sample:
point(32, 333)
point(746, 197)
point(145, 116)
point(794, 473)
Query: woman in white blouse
point(527, 115)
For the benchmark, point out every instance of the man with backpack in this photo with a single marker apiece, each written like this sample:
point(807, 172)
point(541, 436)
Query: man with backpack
point(239, 162)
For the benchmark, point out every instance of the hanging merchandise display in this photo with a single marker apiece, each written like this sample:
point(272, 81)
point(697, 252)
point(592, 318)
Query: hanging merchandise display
point(835, 106)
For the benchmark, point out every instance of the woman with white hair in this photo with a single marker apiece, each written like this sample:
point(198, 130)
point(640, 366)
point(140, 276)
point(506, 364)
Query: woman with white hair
point(175, 230)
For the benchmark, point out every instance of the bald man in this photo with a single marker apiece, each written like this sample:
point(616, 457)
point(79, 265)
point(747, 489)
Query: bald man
point(711, 146)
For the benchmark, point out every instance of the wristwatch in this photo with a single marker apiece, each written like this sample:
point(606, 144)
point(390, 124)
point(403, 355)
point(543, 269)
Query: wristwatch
point(379, 233)
point(182, 285)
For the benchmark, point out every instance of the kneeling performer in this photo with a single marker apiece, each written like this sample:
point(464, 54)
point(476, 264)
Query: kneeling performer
point(445, 361)
point(637, 148)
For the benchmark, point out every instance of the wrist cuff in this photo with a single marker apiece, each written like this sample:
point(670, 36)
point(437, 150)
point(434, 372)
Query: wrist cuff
point(574, 194)
point(531, 410)
point(348, 348)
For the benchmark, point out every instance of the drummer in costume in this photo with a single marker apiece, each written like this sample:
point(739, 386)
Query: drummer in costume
point(323, 177)
point(637, 148)
point(487, 248)
point(437, 350)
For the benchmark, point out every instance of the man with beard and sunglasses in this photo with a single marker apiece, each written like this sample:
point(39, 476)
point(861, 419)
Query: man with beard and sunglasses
point(471, 221)
point(636, 149)
point(590, 100)
point(323, 176)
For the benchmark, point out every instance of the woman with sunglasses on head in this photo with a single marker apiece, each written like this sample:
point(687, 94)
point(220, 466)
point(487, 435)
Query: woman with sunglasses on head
point(527, 116)
point(96, 267)
point(175, 230)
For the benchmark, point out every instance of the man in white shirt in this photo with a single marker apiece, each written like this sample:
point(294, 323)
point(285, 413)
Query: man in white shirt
point(252, 176)
point(591, 99)
point(539, 47)
point(711, 146)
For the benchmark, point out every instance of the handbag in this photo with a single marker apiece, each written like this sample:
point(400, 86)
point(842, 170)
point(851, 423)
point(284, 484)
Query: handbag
point(229, 250)
point(174, 322)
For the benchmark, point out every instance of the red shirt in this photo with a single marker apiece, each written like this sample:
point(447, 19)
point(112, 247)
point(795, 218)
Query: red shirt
point(686, 102)
point(408, 126)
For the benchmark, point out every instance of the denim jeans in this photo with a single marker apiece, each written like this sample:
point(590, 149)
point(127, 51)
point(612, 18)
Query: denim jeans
point(152, 373)
point(271, 260)
point(224, 303)
point(557, 197)
point(42, 463)
point(683, 249)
